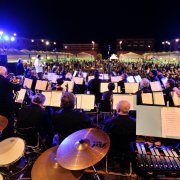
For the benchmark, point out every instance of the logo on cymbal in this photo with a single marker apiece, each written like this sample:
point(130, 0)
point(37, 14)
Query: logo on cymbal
point(98, 144)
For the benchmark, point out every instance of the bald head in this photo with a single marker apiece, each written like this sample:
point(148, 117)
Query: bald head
point(123, 107)
point(3, 71)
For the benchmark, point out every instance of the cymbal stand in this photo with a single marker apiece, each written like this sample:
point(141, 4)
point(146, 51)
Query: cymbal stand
point(96, 174)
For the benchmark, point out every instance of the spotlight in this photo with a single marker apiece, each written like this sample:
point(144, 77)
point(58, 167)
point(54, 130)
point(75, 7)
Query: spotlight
point(54, 43)
point(1, 33)
point(14, 34)
point(6, 38)
point(42, 40)
point(12, 38)
point(32, 40)
point(47, 43)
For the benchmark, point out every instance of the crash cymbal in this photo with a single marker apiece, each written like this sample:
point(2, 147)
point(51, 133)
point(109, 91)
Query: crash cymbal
point(83, 149)
point(3, 122)
point(47, 168)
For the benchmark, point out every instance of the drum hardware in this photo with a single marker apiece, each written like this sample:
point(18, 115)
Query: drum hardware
point(3, 123)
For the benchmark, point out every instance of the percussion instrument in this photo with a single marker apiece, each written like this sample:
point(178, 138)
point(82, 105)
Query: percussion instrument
point(3, 123)
point(12, 149)
point(47, 168)
point(1, 177)
point(83, 149)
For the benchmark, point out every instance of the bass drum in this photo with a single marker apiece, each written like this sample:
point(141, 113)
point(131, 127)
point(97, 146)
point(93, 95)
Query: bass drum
point(12, 159)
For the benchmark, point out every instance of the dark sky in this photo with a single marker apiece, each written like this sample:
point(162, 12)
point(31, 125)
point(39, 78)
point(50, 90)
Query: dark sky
point(84, 21)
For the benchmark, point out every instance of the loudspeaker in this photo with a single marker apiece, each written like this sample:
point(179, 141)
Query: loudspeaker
point(3, 60)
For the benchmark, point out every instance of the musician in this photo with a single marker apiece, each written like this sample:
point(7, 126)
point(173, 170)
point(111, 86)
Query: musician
point(153, 76)
point(67, 120)
point(39, 66)
point(19, 67)
point(94, 86)
point(7, 101)
point(160, 75)
point(58, 86)
point(34, 120)
point(34, 78)
point(122, 131)
point(121, 83)
point(107, 96)
point(144, 88)
point(167, 92)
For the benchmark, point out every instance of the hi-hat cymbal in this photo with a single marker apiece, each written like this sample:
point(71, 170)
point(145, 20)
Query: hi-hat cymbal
point(83, 149)
point(3, 122)
point(47, 168)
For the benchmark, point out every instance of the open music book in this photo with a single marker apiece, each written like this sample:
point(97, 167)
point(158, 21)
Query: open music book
point(138, 78)
point(52, 98)
point(131, 87)
point(78, 80)
point(85, 101)
point(156, 86)
point(116, 79)
point(27, 83)
point(119, 97)
point(68, 85)
point(41, 85)
point(170, 122)
point(20, 96)
point(130, 79)
point(147, 98)
point(158, 98)
point(104, 87)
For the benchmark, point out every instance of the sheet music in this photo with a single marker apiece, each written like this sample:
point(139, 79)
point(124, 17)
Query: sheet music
point(155, 86)
point(78, 80)
point(75, 73)
point(105, 76)
point(116, 79)
point(104, 87)
point(131, 87)
point(164, 81)
point(84, 74)
point(130, 79)
point(56, 98)
point(20, 96)
point(158, 98)
point(90, 77)
point(41, 85)
point(147, 98)
point(27, 83)
point(170, 122)
point(87, 102)
point(118, 97)
point(70, 85)
point(78, 100)
point(176, 99)
point(48, 98)
point(138, 78)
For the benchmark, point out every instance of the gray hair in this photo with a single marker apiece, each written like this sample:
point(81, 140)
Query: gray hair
point(123, 106)
point(3, 71)
point(68, 100)
point(38, 98)
point(144, 83)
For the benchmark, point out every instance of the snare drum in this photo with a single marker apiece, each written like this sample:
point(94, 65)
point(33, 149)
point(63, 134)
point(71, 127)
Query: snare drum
point(12, 149)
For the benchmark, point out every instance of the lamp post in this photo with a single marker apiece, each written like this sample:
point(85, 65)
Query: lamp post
point(47, 44)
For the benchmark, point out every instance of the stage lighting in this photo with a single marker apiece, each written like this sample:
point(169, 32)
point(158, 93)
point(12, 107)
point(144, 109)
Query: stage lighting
point(14, 34)
point(1, 33)
point(6, 38)
point(12, 38)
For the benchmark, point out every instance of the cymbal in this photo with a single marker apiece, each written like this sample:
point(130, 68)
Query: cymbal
point(3, 122)
point(47, 168)
point(83, 149)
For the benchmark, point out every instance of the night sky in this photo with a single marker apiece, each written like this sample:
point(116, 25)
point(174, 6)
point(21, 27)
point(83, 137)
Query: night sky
point(83, 21)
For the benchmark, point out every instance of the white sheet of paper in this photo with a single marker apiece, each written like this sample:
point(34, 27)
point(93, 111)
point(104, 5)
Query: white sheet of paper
point(78, 80)
point(119, 97)
point(84, 74)
point(164, 81)
point(105, 76)
point(104, 87)
point(27, 83)
point(170, 122)
point(116, 79)
point(90, 77)
point(78, 101)
point(138, 78)
point(158, 98)
point(74, 74)
point(48, 98)
point(155, 86)
point(131, 87)
point(147, 98)
point(176, 99)
point(70, 85)
point(21, 95)
point(130, 79)
point(56, 98)
point(41, 85)
point(87, 102)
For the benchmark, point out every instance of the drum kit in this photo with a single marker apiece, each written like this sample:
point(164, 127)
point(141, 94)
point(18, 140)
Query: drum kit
point(80, 150)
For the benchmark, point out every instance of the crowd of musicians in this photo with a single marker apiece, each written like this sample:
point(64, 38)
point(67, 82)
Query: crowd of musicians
point(35, 123)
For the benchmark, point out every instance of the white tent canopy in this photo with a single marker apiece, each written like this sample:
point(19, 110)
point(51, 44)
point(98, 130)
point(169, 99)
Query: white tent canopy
point(113, 56)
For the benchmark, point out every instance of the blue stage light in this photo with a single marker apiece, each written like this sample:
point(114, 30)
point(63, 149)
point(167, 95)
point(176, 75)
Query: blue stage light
point(6, 38)
point(12, 38)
